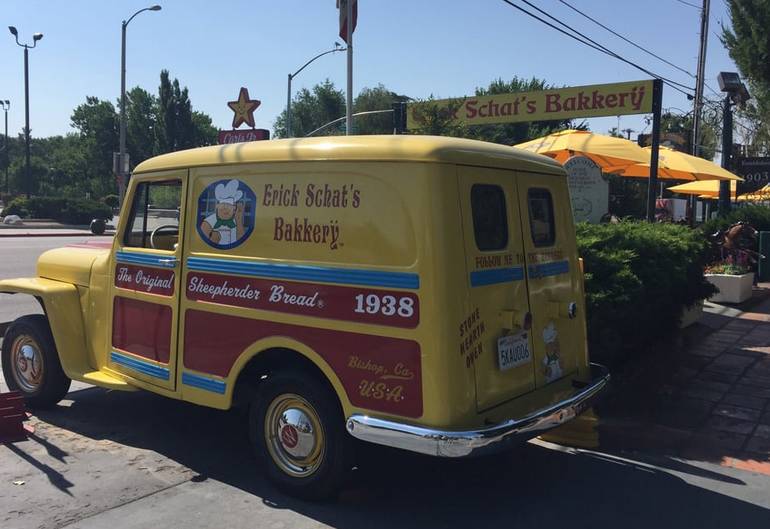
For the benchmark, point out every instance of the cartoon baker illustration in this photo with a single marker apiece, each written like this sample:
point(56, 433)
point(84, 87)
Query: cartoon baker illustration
point(225, 226)
point(551, 362)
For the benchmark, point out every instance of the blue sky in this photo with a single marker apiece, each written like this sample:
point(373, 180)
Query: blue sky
point(418, 48)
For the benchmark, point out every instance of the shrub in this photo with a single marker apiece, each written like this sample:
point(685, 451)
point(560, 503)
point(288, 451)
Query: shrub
point(638, 278)
point(112, 201)
point(756, 215)
point(66, 210)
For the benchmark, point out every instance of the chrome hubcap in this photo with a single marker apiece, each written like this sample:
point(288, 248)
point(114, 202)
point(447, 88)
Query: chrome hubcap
point(27, 362)
point(294, 435)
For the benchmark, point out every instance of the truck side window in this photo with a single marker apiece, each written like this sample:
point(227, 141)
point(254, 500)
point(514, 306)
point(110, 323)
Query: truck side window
point(154, 220)
point(490, 221)
point(541, 217)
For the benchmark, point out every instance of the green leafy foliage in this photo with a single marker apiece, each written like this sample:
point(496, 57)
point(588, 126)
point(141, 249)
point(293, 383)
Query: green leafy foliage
point(639, 277)
point(66, 210)
point(111, 200)
point(747, 39)
point(755, 215)
point(311, 109)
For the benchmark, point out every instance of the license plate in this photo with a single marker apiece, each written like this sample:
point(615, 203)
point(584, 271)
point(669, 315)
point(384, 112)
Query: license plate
point(513, 351)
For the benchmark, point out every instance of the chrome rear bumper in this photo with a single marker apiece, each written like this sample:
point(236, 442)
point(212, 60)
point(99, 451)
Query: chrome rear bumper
point(447, 443)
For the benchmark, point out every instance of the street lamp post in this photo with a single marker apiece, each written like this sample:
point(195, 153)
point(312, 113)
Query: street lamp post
point(6, 106)
point(337, 47)
point(35, 37)
point(735, 93)
point(121, 172)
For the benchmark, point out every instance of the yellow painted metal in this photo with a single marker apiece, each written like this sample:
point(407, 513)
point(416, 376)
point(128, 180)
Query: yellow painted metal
point(605, 151)
point(70, 265)
point(410, 220)
point(353, 148)
point(62, 307)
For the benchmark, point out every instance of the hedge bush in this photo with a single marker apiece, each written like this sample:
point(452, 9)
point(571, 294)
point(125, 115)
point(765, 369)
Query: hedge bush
point(639, 277)
point(756, 215)
point(66, 210)
point(112, 201)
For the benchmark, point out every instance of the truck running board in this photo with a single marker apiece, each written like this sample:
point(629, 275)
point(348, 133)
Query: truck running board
point(105, 380)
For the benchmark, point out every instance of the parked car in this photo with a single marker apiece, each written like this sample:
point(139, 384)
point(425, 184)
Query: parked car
point(422, 293)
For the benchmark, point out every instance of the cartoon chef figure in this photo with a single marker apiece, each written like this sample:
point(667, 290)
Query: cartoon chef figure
point(225, 225)
point(551, 364)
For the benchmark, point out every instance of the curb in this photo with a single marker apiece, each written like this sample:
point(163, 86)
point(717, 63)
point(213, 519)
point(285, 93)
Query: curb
point(57, 234)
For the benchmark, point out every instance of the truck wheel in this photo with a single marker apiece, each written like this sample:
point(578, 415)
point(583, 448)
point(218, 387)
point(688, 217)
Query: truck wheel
point(297, 429)
point(31, 363)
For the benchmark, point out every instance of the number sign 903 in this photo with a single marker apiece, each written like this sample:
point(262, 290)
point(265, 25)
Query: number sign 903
point(387, 305)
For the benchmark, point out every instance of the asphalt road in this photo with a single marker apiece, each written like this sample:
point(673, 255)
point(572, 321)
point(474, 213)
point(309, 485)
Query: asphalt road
point(136, 460)
point(18, 256)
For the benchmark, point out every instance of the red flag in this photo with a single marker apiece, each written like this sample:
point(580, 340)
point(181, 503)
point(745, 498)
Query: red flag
point(343, 7)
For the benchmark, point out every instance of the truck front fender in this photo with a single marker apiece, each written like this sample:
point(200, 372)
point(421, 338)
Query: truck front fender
point(61, 304)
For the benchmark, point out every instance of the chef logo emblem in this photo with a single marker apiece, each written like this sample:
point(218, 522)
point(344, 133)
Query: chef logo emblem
point(552, 361)
point(226, 213)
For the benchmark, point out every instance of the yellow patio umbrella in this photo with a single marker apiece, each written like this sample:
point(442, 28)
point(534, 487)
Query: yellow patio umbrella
point(760, 195)
point(605, 151)
point(703, 188)
point(678, 166)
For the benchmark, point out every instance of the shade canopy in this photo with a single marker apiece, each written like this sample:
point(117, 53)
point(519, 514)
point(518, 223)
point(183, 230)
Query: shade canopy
point(605, 151)
point(760, 195)
point(676, 165)
point(703, 188)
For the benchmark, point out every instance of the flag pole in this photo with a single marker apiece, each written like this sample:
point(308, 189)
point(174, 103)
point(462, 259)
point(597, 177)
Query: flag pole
point(349, 101)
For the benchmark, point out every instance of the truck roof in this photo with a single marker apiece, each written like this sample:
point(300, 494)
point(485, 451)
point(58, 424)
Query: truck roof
point(357, 148)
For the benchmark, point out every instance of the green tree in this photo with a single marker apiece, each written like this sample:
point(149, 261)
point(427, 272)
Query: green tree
point(177, 126)
point(97, 124)
point(311, 109)
point(513, 133)
point(141, 122)
point(748, 42)
point(377, 98)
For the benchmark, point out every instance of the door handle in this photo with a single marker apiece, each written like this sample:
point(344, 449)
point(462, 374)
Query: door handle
point(169, 262)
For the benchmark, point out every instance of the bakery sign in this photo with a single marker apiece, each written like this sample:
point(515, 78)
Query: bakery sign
point(243, 113)
point(543, 105)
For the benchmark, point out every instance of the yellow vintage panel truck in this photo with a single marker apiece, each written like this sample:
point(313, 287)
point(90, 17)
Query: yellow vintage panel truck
point(422, 293)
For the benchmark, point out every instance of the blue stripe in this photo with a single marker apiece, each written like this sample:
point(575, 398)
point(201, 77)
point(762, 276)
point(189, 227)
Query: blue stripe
point(548, 269)
point(140, 366)
point(318, 274)
point(145, 259)
point(496, 275)
point(198, 381)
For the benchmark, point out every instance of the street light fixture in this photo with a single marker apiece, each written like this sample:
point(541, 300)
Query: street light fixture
point(35, 38)
point(6, 106)
point(736, 93)
point(122, 161)
point(337, 47)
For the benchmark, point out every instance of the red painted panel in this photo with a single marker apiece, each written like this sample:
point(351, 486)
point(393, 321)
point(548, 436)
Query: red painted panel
point(377, 372)
point(382, 307)
point(145, 279)
point(142, 328)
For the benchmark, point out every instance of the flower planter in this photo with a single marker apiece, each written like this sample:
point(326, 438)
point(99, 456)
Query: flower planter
point(732, 289)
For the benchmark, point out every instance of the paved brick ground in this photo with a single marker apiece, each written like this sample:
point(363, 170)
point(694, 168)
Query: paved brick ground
point(715, 405)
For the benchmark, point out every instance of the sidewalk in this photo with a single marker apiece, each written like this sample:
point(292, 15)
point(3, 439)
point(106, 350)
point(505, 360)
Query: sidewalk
point(50, 228)
point(712, 402)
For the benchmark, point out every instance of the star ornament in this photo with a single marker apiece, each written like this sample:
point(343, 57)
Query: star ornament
point(244, 108)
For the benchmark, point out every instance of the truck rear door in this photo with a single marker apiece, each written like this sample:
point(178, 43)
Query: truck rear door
point(552, 276)
point(493, 340)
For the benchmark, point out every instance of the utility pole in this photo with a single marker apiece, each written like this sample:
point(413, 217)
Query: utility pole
point(700, 78)
point(698, 102)
point(349, 94)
